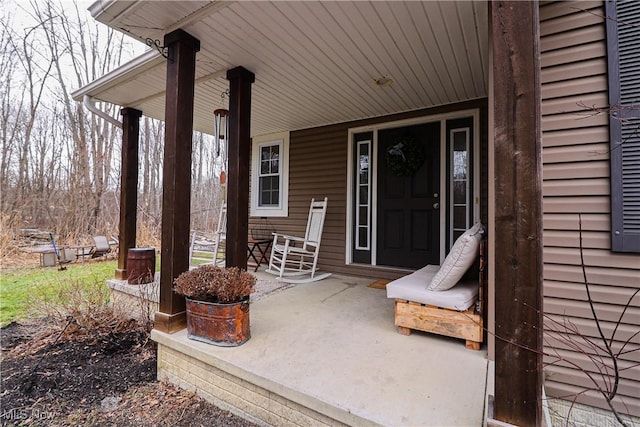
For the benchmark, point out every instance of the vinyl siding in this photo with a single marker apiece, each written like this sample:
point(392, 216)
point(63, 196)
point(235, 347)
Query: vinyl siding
point(318, 169)
point(576, 182)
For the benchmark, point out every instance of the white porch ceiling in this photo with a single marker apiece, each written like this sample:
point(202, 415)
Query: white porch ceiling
point(315, 62)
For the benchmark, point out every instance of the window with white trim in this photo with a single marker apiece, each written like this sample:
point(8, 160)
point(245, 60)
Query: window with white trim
point(270, 175)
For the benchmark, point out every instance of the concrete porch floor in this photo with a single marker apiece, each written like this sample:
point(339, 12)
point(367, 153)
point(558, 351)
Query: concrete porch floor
point(330, 349)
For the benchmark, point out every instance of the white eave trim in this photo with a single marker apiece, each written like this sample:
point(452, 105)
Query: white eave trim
point(139, 65)
point(106, 11)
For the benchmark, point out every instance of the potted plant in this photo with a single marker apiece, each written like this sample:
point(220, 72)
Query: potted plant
point(217, 304)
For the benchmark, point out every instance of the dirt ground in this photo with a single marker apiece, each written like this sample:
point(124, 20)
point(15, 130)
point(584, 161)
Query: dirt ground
point(50, 376)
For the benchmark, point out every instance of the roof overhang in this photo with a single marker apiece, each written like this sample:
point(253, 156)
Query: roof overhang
point(316, 63)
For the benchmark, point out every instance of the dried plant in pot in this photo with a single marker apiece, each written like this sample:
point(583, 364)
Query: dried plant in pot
point(217, 304)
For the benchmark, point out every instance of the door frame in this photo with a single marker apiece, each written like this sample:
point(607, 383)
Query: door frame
point(444, 190)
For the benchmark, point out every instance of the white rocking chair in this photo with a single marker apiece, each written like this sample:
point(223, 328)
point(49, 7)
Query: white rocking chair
point(298, 264)
point(205, 249)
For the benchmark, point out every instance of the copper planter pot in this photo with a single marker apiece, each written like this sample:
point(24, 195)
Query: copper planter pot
point(225, 325)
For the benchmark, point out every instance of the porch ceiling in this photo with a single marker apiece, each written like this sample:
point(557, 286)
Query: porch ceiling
point(315, 62)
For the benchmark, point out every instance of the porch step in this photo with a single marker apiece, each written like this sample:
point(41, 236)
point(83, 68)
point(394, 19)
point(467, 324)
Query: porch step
point(192, 366)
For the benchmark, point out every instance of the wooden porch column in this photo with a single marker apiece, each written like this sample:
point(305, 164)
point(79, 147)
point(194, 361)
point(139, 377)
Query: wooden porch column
point(176, 181)
point(514, 31)
point(128, 187)
point(240, 80)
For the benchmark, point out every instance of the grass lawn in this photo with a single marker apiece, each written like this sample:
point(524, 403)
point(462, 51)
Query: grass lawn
point(18, 286)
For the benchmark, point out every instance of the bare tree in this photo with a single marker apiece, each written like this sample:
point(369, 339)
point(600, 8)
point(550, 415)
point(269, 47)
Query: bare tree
point(60, 164)
point(18, 123)
point(79, 53)
point(8, 111)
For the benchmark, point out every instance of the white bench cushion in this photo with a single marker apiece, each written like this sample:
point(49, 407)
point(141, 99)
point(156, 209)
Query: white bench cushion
point(412, 288)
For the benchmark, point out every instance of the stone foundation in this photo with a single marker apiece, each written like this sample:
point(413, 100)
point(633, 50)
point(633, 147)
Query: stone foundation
point(138, 301)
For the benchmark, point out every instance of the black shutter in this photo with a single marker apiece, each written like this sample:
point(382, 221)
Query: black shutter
point(623, 45)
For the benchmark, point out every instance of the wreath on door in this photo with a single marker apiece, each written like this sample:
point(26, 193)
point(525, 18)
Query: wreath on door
point(404, 156)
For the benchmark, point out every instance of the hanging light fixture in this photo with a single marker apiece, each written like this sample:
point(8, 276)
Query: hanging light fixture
point(221, 135)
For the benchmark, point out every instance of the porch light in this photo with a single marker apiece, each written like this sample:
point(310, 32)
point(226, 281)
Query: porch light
point(384, 81)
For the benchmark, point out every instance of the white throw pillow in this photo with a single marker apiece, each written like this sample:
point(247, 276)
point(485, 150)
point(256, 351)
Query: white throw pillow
point(462, 255)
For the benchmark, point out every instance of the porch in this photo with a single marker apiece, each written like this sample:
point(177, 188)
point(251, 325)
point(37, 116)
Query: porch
point(328, 353)
point(398, 58)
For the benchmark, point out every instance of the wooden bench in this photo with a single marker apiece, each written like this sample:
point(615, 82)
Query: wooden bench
point(467, 325)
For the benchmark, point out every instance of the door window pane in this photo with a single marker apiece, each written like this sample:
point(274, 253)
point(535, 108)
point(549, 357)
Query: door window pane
point(364, 177)
point(364, 195)
point(364, 215)
point(363, 236)
point(460, 217)
point(459, 164)
point(459, 192)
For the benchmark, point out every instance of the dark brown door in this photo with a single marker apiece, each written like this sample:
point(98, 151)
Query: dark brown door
point(408, 224)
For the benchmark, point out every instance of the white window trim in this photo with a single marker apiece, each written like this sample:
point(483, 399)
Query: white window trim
point(349, 233)
point(259, 141)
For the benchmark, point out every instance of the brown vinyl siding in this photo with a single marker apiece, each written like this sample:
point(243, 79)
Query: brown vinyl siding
point(576, 181)
point(318, 168)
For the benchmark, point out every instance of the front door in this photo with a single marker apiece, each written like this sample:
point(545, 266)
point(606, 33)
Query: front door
point(408, 200)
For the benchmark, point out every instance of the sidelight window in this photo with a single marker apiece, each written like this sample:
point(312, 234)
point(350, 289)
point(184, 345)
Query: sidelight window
point(460, 188)
point(363, 197)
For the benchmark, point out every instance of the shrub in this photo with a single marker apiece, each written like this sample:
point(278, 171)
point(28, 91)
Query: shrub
point(83, 305)
point(214, 284)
